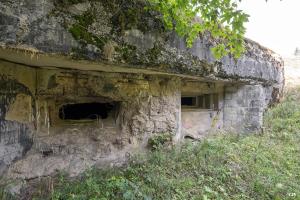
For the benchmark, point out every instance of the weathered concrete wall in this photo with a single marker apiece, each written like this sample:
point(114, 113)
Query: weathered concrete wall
point(258, 64)
point(36, 142)
point(124, 33)
point(240, 108)
point(199, 122)
point(244, 106)
point(17, 85)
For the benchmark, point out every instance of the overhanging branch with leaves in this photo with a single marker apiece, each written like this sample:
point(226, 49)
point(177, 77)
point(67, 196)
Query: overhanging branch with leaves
point(219, 18)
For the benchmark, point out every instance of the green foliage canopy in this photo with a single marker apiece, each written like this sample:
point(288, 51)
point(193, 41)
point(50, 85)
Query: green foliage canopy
point(219, 18)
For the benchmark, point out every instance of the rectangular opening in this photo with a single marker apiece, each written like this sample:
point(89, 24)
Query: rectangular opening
point(189, 101)
point(205, 101)
point(85, 111)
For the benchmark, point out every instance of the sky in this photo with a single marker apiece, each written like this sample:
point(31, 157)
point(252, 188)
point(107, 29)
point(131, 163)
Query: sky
point(274, 24)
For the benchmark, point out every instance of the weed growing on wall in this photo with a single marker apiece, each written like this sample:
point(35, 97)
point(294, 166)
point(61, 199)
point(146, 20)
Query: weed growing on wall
point(158, 141)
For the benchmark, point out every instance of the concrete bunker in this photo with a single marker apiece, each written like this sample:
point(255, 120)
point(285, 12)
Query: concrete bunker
point(73, 119)
point(78, 95)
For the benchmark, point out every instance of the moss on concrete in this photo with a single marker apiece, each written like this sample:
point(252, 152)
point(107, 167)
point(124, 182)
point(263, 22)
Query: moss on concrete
point(128, 53)
point(80, 32)
point(127, 15)
point(109, 21)
point(132, 14)
point(153, 53)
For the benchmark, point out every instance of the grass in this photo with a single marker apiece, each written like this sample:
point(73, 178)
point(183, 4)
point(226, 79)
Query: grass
point(224, 166)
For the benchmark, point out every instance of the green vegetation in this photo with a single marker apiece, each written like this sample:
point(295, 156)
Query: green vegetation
point(220, 18)
point(224, 166)
point(80, 30)
point(159, 140)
